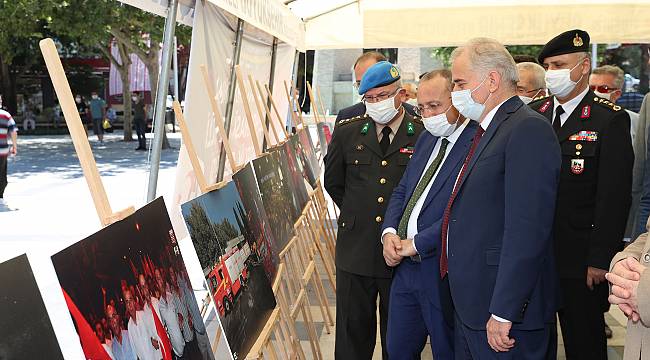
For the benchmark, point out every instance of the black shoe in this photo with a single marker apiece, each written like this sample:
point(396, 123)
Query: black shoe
point(140, 148)
point(608, 331)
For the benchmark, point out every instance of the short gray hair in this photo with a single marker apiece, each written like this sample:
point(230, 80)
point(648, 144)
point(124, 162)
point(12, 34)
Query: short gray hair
point(615, 71)
point(538, 73)
point(443, 73)
point(487, 55)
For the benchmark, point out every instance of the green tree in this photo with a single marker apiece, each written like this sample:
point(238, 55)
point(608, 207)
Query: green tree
point(444, 53)
point(203, 236)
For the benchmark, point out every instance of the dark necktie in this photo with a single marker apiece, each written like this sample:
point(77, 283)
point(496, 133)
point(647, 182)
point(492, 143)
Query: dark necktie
point(385, 139)
point(557, 124)
point(447, 213)
point(419, 189)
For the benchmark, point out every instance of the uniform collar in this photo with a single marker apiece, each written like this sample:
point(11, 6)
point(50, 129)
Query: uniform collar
point(570, 105)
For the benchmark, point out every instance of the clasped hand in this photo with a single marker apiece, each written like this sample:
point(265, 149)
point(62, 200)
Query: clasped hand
point(625, 278)
point(395, 249)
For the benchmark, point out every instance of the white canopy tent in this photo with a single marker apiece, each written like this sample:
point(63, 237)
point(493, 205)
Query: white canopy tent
point(341, 24)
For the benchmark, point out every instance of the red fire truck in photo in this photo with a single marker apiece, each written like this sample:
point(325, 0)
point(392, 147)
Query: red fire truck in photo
point(229, 276)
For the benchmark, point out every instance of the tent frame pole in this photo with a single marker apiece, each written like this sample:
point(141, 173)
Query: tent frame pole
point(231, 94)
point(274, 53)
point(161, 98)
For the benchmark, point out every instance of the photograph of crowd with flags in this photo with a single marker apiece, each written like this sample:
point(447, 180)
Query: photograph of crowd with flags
point(129, 294)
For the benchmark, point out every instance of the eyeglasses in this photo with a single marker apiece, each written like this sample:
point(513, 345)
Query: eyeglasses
point(380, 97)
point(420, 109)
point(603, 89)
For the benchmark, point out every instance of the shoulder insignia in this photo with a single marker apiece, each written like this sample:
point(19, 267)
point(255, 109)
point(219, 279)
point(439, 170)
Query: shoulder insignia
point(541, 97)
point(606, 103)
point(351, 120)
point(417, 119)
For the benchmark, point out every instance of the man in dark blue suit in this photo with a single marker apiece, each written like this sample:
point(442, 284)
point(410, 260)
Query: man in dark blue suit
point(496, 231)
point(362, 64)
point(411, 229)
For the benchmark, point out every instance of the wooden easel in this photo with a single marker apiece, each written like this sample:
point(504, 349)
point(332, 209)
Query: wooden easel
point(266, 108)
point(218, 118)
point(79, 138)
point(242, 89)
point(314, 104)
point(275, 110)
point(247, 111)
point(297, 121)
point(191, 152)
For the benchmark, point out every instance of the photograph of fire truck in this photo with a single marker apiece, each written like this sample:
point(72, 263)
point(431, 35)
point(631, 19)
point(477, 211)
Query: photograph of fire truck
point(218, 226)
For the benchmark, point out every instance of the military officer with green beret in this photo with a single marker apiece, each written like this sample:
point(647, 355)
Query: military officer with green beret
point(594, 193)
point(365, 161)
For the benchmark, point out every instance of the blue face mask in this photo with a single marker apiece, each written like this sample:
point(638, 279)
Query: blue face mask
point(465, 104)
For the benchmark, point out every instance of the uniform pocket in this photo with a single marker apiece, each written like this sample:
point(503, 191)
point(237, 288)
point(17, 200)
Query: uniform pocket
point(358, 165)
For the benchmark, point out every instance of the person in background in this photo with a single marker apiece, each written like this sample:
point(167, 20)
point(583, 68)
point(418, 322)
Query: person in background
point(140, 120)
point(365, 161)
point(630, 290)
point(82, 109)
point(170, 315)
point(97, 113)
point(8, 129)
point(362, 64)
point(531, 82)
point(142, 330)
point(631, 98)
point(524, 58)
point(121, 345)
point(640, 162)
point(56, 113)
point(594, 194)
point(101, 335)
point(411, 94)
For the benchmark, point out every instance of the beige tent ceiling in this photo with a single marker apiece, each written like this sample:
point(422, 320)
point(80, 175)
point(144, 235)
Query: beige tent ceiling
point(337, 24)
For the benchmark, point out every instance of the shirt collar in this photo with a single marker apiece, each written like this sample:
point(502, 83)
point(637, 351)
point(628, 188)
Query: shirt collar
point(456, 134)
point(572, 104)
point(393, 127)
point(488, 118)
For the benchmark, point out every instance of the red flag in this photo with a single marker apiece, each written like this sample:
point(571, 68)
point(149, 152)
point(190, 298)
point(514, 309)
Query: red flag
point(162, 334)
point(90, 344)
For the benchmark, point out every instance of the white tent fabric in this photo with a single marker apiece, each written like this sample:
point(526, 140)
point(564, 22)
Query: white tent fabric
point(212, 41)
point(427, 23)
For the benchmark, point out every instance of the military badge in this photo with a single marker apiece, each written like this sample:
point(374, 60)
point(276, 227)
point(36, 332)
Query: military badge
point(546, 105)
point(410, 129)
point(394, 72)
point(586, 112)
point(364, 129)
point(577, 41)
point(577, 166)
point(360, 147)
point(407, 150)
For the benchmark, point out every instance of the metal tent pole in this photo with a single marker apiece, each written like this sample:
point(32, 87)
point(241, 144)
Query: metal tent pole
point(161, 98)
point(231, 94)
point(274, 51)
point(176, 90)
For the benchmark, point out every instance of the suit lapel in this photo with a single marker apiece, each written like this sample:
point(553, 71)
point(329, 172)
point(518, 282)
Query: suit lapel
point(401, 139)
point(573, 123)
point(370, 139)
point(456, 156)
point(510, 106)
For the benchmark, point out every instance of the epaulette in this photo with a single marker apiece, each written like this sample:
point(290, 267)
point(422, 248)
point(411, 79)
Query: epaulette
point(542, 97)
point(351, 120)
point(606, 103)
point(417, 119)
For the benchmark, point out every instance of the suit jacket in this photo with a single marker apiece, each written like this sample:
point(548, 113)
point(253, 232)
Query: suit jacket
point(593, 199)
point(637, 338)
point(427, 240)
point(360, 179)
point(641, 209)
point(500, 257)
point(359, 109)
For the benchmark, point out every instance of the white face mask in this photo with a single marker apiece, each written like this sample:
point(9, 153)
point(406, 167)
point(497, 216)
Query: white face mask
point(559, 82)
point(607, 96)
point(438, 125)
point(465, 104)
point(527, 100)
point(382, 112)
point(94, 97)
point(413, 102)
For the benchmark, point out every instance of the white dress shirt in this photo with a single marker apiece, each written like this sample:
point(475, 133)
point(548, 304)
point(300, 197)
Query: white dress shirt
point(169, 318)
point(412, 228)
point(140, 334)
point(568, 106)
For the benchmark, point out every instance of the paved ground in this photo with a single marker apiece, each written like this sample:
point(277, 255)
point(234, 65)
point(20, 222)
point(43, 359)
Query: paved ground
point(55, 210)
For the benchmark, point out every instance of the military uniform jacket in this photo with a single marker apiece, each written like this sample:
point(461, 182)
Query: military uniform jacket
point(360, 179)
point(594, 193)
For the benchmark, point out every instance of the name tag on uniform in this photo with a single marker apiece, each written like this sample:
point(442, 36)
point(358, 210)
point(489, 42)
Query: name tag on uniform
point(407, 150)
point(584, 136)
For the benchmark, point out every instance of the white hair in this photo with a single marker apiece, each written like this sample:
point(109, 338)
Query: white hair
point(487, 55)
point(537, 71)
